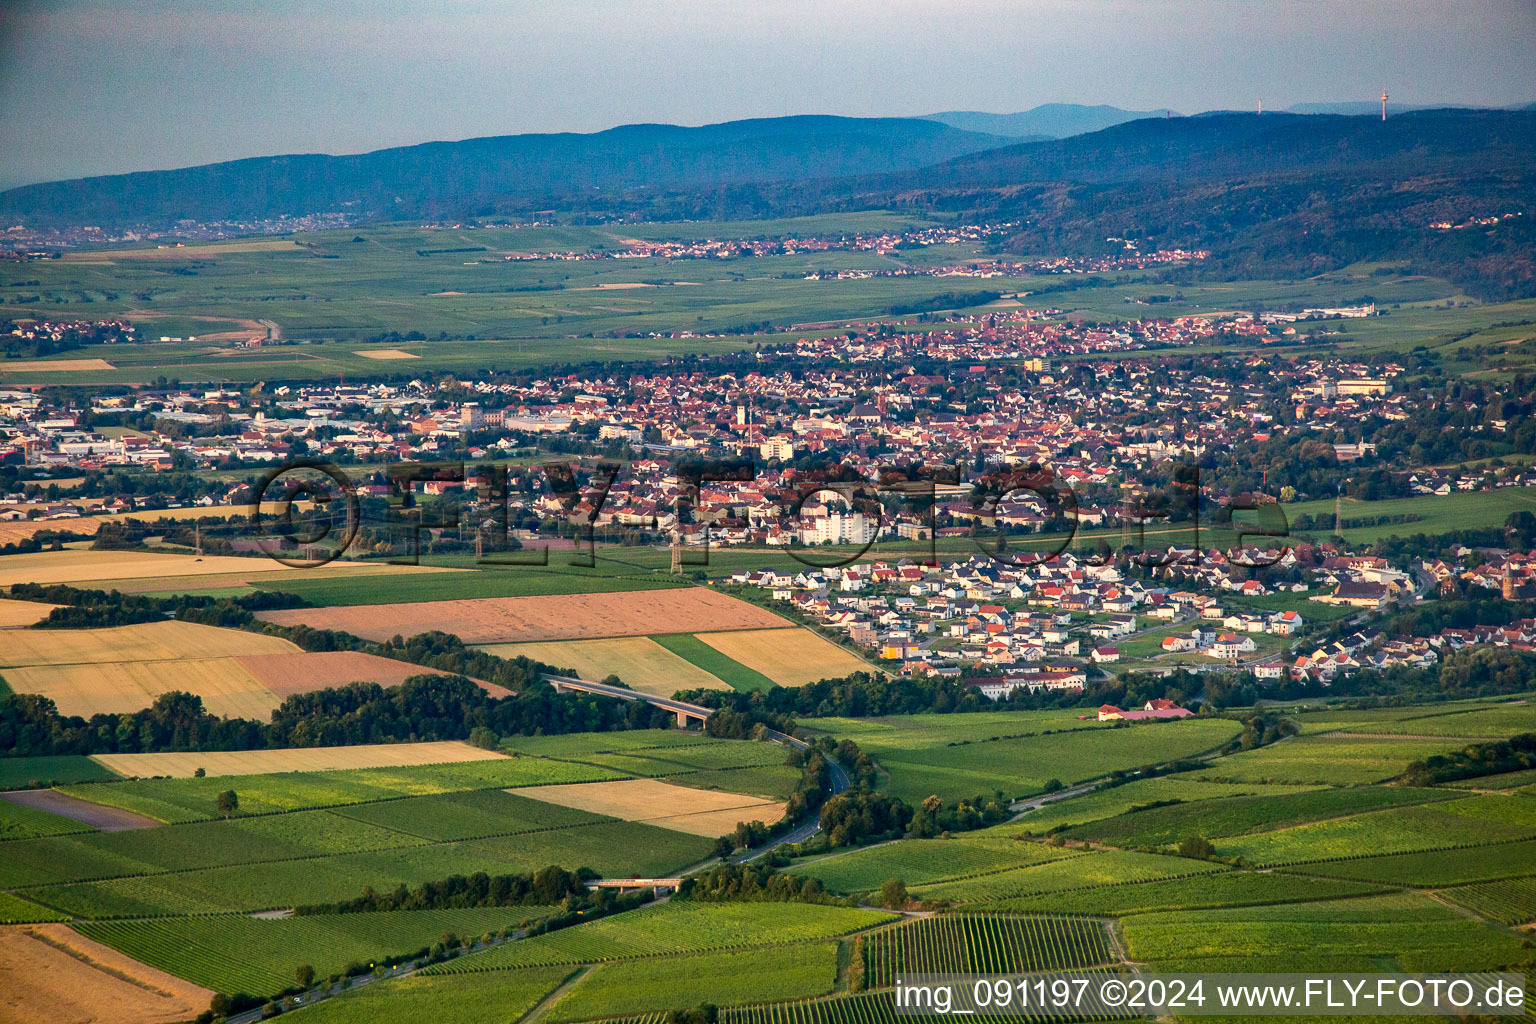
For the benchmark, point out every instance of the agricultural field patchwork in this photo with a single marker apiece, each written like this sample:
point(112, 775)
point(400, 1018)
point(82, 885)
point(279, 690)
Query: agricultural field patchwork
point(1415, 931)
point(790, 657)
point(1019, 767)
point(194, 799)
point(996, 890)
point(1510, 900)
point(1221, 889)
point(723, 979)
point(54, 975)
point(639, 661)
point(678, 927)
point(697, 811)
point(236, 953)
point(707, 659)
point(926, 861)
point(15, 613)
point(556, 617)
point(294, 759)
point(984, 944)
point(1435, 868)
point(478, 999)
point(1326, 760)
point(1397, 830)
point(19, 821)
point(1110, 801)
point(1239, 815)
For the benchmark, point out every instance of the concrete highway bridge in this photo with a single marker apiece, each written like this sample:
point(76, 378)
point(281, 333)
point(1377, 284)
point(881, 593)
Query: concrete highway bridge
point(661, 885)
point(686, 713)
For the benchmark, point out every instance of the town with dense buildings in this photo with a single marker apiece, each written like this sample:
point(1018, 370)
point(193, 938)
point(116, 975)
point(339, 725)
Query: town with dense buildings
point(879, 436)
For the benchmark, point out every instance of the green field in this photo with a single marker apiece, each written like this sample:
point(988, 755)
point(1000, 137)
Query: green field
point(1109, 801)
point(35, 772)
point(15, 910)
point(926, 861)
point(20, 822)
point(1434, 513)
point(615, 848)
point(1434, 869)
point(186, 800)
point(1325, 760)
point(1235, 816)
point(1224, 889)
point(1511, 901)
point(482, 999)
point(1416, 932)
point(997, 890)
point(983, 944)
point(722, 979)
point(1022, 766)
point(230, 953)
point(1398, 830)
point(508, 581)
point(724, 668)
point(682, 926)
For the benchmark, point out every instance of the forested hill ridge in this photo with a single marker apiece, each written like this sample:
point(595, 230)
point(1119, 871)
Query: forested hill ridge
point(1443, 192)
point(1227, 144)
point(479, 175)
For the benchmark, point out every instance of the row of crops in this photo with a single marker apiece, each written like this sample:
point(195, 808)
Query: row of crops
point(229, 953)
point(671, 928)
point(866, 1008)
point(184, 800)
point(1511, 900)
point(612, 847)
point(977, 944)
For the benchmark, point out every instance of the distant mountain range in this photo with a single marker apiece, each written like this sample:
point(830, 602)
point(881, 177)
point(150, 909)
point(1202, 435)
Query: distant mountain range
point(1272, 195)
point(440, 177)
point(1048, 121)
point(1222, 145)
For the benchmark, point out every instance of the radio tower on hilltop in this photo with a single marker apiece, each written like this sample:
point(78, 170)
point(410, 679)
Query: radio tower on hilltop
point(1383, 104)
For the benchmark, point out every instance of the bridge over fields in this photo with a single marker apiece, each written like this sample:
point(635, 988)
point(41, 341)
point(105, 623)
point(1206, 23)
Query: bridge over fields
point(686, 713)
point(661, 885)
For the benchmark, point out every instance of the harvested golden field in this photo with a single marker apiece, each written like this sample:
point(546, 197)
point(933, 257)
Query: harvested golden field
point(74, 565)
point(22, 613)
point(641, 662)
point(214, 581)
point(24, 529)
point(386, 353)
point(790, 657)
point(297, 759)
point(51, 974)
point(124, 668)
point(170, 640)
point(287, 674)
point(112, 687)
point(700, 812)
point(553, 617)
point(52, 365)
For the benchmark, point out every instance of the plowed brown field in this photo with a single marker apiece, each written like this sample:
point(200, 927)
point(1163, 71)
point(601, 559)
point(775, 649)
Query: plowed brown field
point(51, 974)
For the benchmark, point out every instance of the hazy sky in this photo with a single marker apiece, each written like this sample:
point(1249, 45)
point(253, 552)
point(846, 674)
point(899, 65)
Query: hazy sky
point(101, 86)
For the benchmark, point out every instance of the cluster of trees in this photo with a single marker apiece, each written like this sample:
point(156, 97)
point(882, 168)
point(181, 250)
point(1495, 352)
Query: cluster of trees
point(858, 695)
point(426, 707)
point(862, 815)
point(545, 887)
point(1512, 755)
point(761, 882)
point(93, 609)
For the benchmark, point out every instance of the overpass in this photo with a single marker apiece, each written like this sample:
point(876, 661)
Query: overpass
point(685, 712)
point(661, 885)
